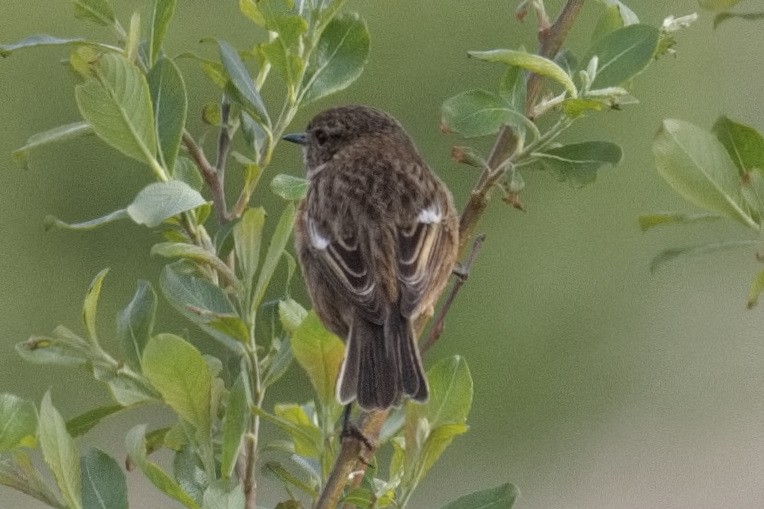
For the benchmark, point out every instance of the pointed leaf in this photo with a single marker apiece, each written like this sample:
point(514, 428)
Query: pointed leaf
point(698, 167)
point(60, 453)
point(747, 16)
point(18, 423)
point(168, 95)
point(744, 144)
point(38, 40)
point(223, 495)
point(289, 187)
point(83, 423)
point(293, 421)
point(289, 479)
point(90, 308)
point(275, 249)
point(248, 236)
point(160, 20)
point(653, 220)
point(478, 113)
point(291, 314)
point(135, 323)
point(530, 62)
point(197, 254)
point(162, 200)
point(117, 104)
point(97, 11)
point(235, 424)
point(501, 497)
point(623, 54)
point(579, 162)
point(179, 373)
point(437, 442)
point(103, 482)
point(671, 254)
point(339, 59)
point(53, 222)
point(63, 348)
point(450, 392)
point(242, 81)
point(60, 133)
point(718, 5)
point(320, 354)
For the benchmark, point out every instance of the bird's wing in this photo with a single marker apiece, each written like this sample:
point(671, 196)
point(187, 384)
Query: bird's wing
point(422, 249)
point(343, 261)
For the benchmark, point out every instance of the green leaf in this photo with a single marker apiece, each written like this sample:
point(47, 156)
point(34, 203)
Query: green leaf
point(90, 308)
point(135, 323)
point(575, 107)
point(530, 62)
point(63, 348)
point(83, 423)
point(60, 133)
point(437, 442)
point(744, 144)
point(278, 362)
point(275, 249)
point(235, 424)
point(292, 420)
point(223, 495)
point(103, 482)
point(628, 16)
point(512, 88)
point(242, 82)
point(501, 497)
point(160, 21)
point(320, 354)
point(287, 65)
point(187, 472)
point(623, 54)
point(339, 59)
point(186, 171)
point(18, 423)
point(53, 222)
point(179, 373)
point(196, 254)
point(698, 167)
point(747, 16)
point(39, 40)
point(133, 37)
point(652, 220)
point(168, 95)
point(289, 479)
point(160, 201)
point(97, 11)
point(478, 113)
point(60, 453)
point(718, 5)
point(289, 187)
point(21, 474)
point(757, 286)
point(126, 390)
point(291, 314)
point(671, 254)
point(198, 300)
point(250, 9)
point(450, 393)
point(248, 237)
point(616, 15)
point(117, 104)
point(579, 162)
point(136, 448)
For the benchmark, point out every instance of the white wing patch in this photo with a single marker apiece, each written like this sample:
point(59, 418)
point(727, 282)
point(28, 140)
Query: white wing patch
point(316, 239)
point(430, 215)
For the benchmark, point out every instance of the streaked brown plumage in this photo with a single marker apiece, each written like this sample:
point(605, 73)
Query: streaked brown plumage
point(376, 237)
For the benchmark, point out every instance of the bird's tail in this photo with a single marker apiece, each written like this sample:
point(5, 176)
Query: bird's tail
point(381, 365)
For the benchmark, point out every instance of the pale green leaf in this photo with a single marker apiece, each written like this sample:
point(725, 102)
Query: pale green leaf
point(512, 88)
point(196, 254)
point(223, 495)
point(96, 11)
point(42, 40)
point(530, 62)
point(250, 9)
point(653, 220)
point(60, 453)
point(188, 473)
point(54, 222)
point(339, 59)
point(275, 249)
point(103, 482)
point(698, 167)
point(578, 162)
point(623, 54)
point(83, 423)
point(60, 133)
point(90, 308)
point(126, 390)
point(718, 5)
point(291, 480)
point(278, 362)
point(478, 113)
point(744, 144)
point(18, 423)
point(162, 200)
point(235, 423)
point(63, 348)
point(747, 16)
point(248, 237)
point(291, 314)
point(320, 354)
point(671, 254)
point(117, 105)
point(168, 95)
point(501, 497)
point(161, 15)
point(292, 420)
point(241, 80)
point(133, 37)
point(135, 323)
point(450, 393)
point(186, 171)
point(437, 442)
point(289, 187)
point(179, 373)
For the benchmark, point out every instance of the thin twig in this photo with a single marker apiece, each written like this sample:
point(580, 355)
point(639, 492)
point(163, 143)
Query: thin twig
point(209, 175)
point(224, 141)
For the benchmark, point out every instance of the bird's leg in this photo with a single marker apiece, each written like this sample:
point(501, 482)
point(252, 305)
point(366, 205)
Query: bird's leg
point(350, 430)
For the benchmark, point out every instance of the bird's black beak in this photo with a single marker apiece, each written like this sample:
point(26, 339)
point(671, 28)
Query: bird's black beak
point(299, 138)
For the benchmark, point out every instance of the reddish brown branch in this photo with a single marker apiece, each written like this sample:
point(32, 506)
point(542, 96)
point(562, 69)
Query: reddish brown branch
point(210, 176)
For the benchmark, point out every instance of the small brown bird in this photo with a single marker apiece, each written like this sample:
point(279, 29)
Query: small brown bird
point(377, 238)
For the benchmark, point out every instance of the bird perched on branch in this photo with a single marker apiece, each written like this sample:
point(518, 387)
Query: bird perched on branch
point(377, 238)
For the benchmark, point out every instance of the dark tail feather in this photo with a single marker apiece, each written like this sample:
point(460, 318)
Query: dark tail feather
point(413, 380)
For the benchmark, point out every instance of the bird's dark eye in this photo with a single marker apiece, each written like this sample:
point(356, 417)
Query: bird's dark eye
point(321, 136)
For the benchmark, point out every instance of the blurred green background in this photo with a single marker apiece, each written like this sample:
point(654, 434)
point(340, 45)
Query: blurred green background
point(597, 384)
